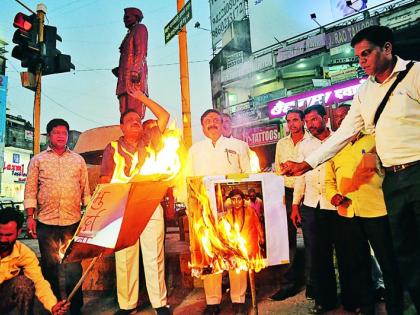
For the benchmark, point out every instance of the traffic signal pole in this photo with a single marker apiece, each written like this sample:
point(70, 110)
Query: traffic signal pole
point(41, 10)
point(185, 82)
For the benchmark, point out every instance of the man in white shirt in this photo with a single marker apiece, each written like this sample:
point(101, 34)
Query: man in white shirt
point(287, 149)
point(317, 215)
point(397, 142)
point(217, 155)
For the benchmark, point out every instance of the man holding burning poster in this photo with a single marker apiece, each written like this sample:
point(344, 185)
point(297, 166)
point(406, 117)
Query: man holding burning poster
point(123, 159)
point(56, 187)
point(217, 155)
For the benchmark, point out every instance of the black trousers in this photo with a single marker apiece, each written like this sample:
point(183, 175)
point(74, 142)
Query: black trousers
point(50, 238)
point(325, 281)
point(291, 274)
point(402, 198)
point(355, 275)
point(309, 230)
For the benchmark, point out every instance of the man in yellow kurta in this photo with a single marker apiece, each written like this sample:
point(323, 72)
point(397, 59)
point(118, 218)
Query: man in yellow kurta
point(353, 184)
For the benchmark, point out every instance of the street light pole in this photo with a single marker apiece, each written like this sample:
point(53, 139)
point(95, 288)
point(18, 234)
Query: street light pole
point(185, 82)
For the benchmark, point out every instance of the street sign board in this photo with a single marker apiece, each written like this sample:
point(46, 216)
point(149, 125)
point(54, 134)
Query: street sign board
point(178, 22)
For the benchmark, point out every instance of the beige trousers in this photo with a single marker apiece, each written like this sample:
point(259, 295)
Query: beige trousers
point(127, 266)
point(213, 287)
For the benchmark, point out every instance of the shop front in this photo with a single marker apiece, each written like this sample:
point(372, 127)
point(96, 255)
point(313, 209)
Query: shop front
point(262, 140)
point(15, 169)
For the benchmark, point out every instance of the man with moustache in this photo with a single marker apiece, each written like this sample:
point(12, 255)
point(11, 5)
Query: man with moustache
point(132, 68)
point(397, 129)
point(132, 147)
point(20, 275)
point(56, 188)
point(287, 149)
point(218, 155)
point(316, 214)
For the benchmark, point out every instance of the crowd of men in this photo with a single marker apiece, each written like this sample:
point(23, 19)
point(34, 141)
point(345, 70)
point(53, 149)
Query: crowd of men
point(354, 192)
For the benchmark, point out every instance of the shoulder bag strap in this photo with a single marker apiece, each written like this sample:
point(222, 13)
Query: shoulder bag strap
point(401, 75)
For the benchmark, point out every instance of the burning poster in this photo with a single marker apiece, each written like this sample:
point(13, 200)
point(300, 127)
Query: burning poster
point(119, 211)
point(115, 218)
point(237, 223)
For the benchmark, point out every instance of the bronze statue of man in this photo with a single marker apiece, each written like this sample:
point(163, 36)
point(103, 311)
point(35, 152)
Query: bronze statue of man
point(132, 69)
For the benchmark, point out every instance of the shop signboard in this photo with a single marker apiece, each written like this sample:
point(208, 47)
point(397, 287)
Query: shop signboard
point(301, 47)
point(345, 34)
point(343, 75)
point(15, 168)
point(266, 97)
point(259, 136)
point(222, 14)
point(336, 93)
point(253, 65)
point(234, 59)
point(402, 17)
point(346, 48)
point(3, 95)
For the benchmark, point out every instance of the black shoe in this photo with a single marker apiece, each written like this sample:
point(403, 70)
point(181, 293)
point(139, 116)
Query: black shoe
point(380, 295)
point(283, 294)
point(309, 293)
point(212, 309)
point(125, 312)
point(164, 310)
point(239, 308)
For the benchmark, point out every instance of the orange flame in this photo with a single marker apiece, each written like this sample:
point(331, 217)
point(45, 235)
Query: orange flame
point(62, 249)
point(164, 164)
point(254, 161)
point(218, 245)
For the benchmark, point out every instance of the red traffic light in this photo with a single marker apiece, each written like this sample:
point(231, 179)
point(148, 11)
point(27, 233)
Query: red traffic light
point(22, 22)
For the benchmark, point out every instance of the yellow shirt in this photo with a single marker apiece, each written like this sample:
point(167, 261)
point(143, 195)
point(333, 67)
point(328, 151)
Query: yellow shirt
point(368, 200)
point(23, 258)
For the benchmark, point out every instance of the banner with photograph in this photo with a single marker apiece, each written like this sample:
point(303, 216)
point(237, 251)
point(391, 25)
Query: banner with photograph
point(237, 222)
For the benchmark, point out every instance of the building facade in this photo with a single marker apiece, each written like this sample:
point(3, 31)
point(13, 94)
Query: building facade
point(317, 67)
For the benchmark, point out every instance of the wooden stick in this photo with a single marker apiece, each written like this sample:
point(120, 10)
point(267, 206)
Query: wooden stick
point(251, 273)
point(82, 278)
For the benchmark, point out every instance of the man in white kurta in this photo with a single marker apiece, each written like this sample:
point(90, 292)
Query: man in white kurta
point(217, 155)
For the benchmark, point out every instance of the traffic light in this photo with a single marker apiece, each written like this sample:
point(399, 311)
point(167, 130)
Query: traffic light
point(26, 38)
point(53, 60)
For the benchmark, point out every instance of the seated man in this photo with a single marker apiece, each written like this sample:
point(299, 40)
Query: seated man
point(20, 275)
